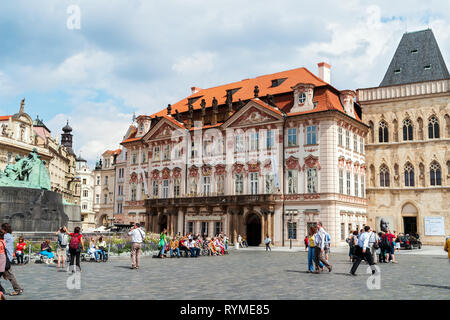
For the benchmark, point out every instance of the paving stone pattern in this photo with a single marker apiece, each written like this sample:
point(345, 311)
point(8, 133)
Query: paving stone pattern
point(240, 275)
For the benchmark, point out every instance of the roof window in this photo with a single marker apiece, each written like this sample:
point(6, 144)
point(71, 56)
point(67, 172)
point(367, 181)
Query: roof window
point(397, 71)
point(427, 67)
point(277, 82)
point(414, 51)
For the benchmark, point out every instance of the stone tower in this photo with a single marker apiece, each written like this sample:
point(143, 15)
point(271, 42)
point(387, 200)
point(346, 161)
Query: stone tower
point(66, 138)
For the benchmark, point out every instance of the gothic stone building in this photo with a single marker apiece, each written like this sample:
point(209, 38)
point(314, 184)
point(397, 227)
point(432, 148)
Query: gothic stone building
point(272, 154)
point(408, 152)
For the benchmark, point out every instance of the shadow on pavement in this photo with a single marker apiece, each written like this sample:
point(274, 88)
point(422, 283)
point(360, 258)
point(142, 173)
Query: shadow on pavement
point(431, 286)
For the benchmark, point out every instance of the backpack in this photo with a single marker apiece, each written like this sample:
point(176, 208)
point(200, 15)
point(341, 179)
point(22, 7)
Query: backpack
point(75, 241)
point(63, 240)
point(327, 238)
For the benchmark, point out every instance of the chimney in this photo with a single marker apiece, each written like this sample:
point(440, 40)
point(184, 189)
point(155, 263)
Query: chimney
point(195, 89)
point(324, 71)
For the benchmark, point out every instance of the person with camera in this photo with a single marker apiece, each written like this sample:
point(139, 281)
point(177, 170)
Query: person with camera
point(137, 237)
point(61, 246)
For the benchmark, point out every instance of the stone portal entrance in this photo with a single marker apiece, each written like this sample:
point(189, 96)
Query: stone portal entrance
point(253, 230)
point(410, 225)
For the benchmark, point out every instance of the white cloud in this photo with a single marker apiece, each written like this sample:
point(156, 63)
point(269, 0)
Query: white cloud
point(199, 62)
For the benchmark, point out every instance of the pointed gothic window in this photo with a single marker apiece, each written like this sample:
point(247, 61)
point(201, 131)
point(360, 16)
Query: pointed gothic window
point(383, 132)
point(433, 128)
point(384, 176)
point(407, 130)
point(435, 174)
point(409, 175)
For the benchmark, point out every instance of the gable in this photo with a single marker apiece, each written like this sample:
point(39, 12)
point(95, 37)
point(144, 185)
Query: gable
point(254, 113)
point(162, 130)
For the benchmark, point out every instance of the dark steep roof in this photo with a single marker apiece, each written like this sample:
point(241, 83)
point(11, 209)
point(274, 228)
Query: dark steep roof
point(416, 59)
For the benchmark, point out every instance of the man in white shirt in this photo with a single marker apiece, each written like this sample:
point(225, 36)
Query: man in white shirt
point(137, 237)
point(363, 250)
point(319, 249)
point(239, 239)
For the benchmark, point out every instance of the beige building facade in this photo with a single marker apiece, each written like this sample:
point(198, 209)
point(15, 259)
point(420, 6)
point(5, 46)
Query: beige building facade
point(408, 148)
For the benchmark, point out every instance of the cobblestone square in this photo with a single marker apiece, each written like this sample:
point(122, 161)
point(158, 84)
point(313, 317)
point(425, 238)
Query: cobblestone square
point(243, 274)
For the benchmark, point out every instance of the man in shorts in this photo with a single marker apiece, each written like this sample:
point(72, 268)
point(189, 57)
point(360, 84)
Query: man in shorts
point(61, 247)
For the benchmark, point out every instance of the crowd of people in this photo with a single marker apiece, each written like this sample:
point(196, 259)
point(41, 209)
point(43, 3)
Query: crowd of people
point(192, 245)
point(382, 245)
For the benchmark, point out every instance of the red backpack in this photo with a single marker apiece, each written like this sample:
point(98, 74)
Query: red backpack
point(75, 241)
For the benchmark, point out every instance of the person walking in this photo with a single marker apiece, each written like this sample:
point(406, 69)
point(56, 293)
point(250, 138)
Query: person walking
point(267, 242)
point(76, 245)
point(306, 243)
point(373, 243)
point(363, 251)
point(239, 239)
point(137, 237)
point(163, 243)
point(61, 246)
point(319, 242)
point(311, 232)
point(3, 265)
point(9, 246)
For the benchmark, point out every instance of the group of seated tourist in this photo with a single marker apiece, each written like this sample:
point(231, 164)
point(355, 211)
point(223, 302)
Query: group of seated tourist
point(193, 244)
point(97, 249)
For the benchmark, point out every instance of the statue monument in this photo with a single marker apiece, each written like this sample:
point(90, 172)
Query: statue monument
point(26, 199)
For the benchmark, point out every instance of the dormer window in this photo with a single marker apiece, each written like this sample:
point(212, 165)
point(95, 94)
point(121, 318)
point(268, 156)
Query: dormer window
point(427, 67)
point(414, 51)
point(397, 71)
point(302, 98)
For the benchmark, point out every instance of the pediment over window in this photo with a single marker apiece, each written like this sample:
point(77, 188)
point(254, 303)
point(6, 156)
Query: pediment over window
point(311, 162)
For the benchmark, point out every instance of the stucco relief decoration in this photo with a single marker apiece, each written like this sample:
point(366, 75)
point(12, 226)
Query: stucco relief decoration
point(165, 173)
point(292, 163)
point(220, 170)
point(155, 174)
point(254, 116)
point(312, 162)
point(341, 161)
point(253, 166)
point(348, 163)
point(163, 132)
point(141, 179)
point(238, 168)
point(363, 168)
point(206, 170)
point(176, 173)
point(193, 171)
point(268, 164)
point(134, 178)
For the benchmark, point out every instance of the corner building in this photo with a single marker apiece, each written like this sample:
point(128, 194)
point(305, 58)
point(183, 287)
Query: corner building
point(272, 154)
point(408, 153)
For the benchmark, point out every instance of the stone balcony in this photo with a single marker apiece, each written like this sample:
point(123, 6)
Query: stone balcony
point(403, 90)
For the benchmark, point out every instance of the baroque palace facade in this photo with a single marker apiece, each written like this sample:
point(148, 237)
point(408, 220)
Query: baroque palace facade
point(20, 135)
point(407, 151)
point(272, 154)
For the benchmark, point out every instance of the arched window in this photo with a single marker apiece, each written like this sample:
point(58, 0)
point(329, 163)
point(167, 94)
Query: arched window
point(435, 174)
point(433, 128)
point(409, 175)
point(384, 176)
point(383, 132)
point(407, 130)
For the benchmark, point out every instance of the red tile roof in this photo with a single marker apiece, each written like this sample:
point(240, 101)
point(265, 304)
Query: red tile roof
point(264, 83)
point(3, 118)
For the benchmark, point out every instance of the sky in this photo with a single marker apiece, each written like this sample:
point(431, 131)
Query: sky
point(137, 56)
